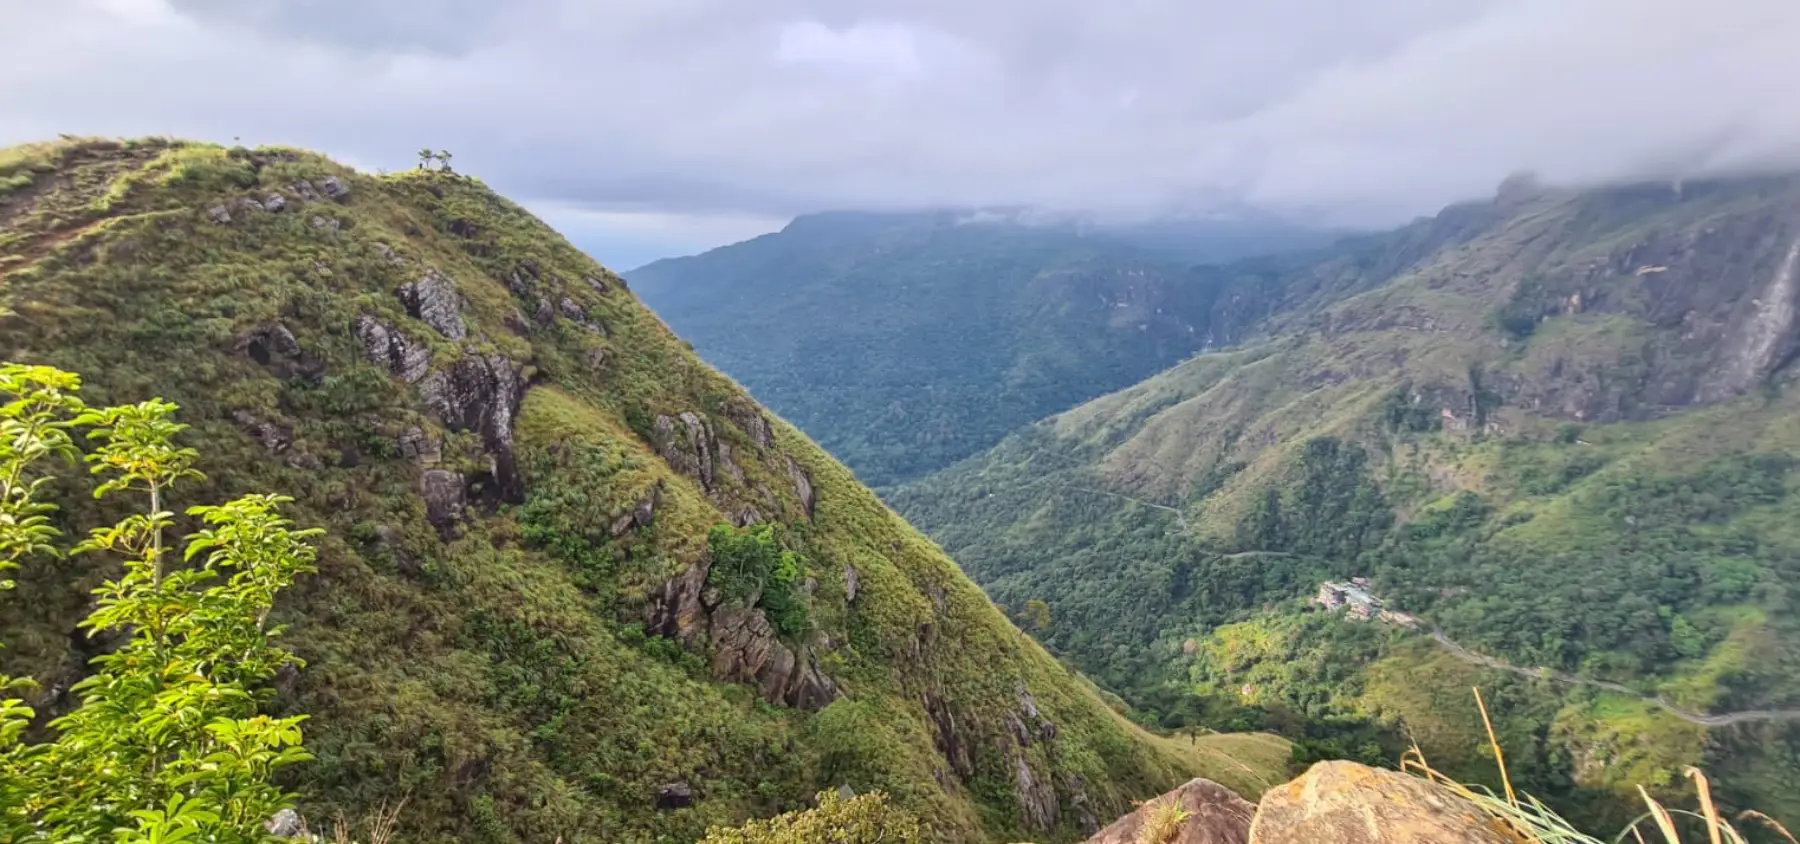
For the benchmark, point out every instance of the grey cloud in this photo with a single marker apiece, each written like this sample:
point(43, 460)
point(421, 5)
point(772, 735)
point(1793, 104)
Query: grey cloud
point(1357, 112)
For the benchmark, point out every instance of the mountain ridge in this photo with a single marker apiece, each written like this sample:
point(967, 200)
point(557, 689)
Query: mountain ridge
point(575, 582)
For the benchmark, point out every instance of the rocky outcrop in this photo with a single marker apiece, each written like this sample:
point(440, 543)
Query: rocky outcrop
point(445, 497)
point(744, 645)
point(1353, 804)
point(1764, 336)
point(274, 347)
point(481, 393)
point(746, 650)
point(852, 584)
point(332, 187)
point(689, 448)
point(950, 743)
point(415, 444)
point(275, 438)
point(1036, 795)
point(675, 795)
point(640, 516)
point(676, 610)
point(751, 421)
point(389, 349)
point(434, 301)
point(803, 486)
point(1216, 815)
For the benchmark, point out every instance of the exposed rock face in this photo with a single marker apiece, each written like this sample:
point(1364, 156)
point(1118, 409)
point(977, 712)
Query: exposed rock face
point(852, 584)
point(803, 486)
point(945, 737)
point(1037, 797)
point(574, 312)
point(275, 438)
point(332, 187)
point(1765, 338)
point(676, 610)
point(1353, 804)
point(386, 347)
point(433, 300)
point(481, 393)
point(675, 795)
point(746, 649)
point(1218, 816)
point(415, 444)
point(751, 421)
point(690, 449)
point(640, 516)
point(274, 347)
point(445, 497)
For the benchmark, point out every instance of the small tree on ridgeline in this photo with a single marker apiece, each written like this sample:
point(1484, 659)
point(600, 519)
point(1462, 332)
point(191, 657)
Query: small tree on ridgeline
point(165, 744)
point(426, 156)
point(443, 160)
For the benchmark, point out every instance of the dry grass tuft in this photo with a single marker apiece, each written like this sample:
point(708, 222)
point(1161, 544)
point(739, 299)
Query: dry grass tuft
point(1162, 820)
point(1529, 821)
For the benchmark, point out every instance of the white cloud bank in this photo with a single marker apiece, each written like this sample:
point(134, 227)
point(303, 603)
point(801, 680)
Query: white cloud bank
point(720, 111)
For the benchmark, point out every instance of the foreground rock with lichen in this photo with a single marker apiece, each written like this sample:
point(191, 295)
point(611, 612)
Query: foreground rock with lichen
point(1336, 802)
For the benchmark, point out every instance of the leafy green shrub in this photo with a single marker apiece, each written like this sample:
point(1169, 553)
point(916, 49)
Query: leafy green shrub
point(166, 744)
point(863, 819)
point(1404, 414)
point(750, 568)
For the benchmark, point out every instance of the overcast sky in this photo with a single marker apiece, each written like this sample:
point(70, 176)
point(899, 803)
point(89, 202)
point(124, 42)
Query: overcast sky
point(653, 127)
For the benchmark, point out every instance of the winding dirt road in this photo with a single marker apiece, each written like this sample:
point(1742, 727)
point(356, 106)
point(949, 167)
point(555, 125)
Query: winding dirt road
point(1719, 720)
point(1469, 656)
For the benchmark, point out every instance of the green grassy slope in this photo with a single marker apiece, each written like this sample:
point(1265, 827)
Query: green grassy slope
point(525, 479)
point(1565, 436)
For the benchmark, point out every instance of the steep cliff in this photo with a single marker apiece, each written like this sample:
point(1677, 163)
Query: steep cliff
point(575, 583)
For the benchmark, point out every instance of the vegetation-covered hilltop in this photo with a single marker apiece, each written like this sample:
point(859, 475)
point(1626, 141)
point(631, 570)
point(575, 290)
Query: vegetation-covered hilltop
point(1558, 426)
point(906, 342)
point(573, 582)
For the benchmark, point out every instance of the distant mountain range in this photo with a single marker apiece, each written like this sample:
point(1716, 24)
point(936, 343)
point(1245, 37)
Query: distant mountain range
point(1557, 426)
point(906, 341)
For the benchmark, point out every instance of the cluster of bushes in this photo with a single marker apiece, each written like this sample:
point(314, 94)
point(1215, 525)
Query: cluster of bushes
point(750, 567)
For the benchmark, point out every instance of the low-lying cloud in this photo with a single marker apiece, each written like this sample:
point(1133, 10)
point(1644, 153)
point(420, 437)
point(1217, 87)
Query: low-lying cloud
point(1359, 113)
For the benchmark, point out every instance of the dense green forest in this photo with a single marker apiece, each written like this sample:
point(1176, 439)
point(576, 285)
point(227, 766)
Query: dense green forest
point(1564, 438)
point(571, 581)
point(906, 342)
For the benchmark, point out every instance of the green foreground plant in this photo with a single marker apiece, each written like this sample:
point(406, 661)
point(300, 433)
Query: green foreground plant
point(165, 744)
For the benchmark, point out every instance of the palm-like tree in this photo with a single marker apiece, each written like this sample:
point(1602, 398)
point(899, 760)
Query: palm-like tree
point(443, 159)
point(425, 157)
